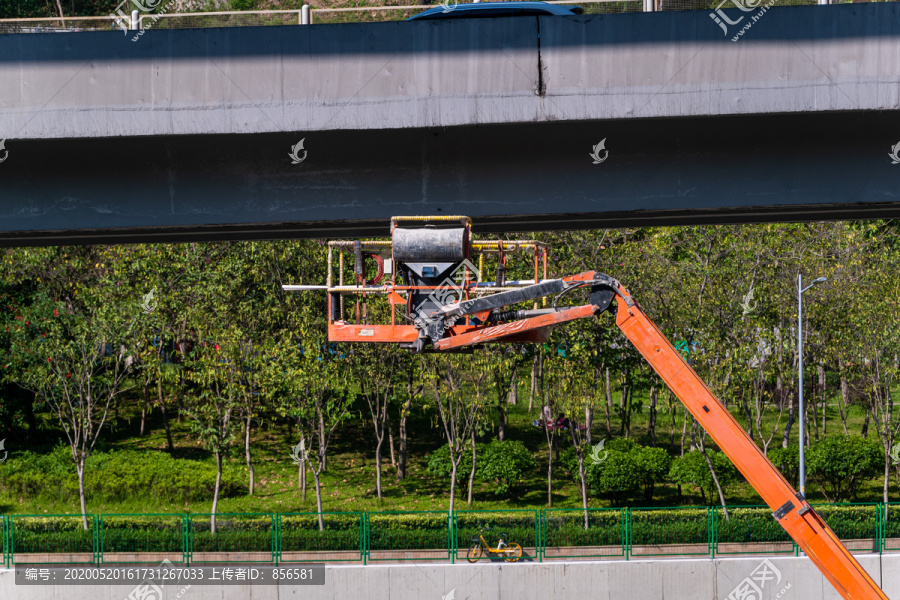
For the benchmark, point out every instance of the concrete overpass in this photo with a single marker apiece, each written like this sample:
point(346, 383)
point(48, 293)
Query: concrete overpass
point(186, 134)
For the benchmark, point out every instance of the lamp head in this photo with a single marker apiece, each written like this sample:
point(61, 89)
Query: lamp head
point(820, 280)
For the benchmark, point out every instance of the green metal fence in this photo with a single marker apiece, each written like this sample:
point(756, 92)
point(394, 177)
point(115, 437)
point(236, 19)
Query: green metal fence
point(53, 539)
point(576, 533)
point(4, 542)
point(427, 535)
point(749, 530)
point(232, 538)
point(673, 531)
point(338, 536)
point(142, 538)
point(890, 526)
point(520, 526)
point(409, 535)
point(856, 525)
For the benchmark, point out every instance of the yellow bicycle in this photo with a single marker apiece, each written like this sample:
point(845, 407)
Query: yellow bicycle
point(511, 552)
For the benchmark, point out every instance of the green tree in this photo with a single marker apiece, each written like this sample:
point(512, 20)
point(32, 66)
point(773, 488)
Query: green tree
point(840, 464)
point(692, 470)
point(73, 359)
point(505, 463)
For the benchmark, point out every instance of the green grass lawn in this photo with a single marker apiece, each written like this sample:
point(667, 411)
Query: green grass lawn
point(349, 483)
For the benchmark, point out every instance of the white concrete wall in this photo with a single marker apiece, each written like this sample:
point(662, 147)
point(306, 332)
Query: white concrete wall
point(447, 73)
point(670, 579)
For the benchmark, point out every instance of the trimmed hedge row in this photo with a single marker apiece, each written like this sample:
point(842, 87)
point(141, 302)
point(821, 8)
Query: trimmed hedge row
point(421, 531)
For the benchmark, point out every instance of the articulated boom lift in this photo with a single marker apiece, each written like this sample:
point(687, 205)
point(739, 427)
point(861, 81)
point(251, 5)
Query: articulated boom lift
point(444, 305)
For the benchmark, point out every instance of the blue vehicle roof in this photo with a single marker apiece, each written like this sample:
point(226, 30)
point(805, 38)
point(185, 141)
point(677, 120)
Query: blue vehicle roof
point(498, 9)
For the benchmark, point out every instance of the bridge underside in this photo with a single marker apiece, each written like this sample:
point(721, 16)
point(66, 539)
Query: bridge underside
point(513, 177)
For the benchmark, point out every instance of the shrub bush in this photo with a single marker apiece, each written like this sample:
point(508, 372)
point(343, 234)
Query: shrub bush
point(505, 463)
point(692, 470)
point(787, 460)
point(115, 476)
point(840, 463)
point(628, 469)
point(439, 463)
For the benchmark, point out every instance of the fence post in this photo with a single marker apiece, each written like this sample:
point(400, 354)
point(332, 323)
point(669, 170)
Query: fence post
point(276, 547)
point(713, 519)
point(364, 524)
point(540, 535)
point(135, 20)
point(451, 532)
point(648, 5)
point(304, 14)
point(95, 536)
point(627, 517)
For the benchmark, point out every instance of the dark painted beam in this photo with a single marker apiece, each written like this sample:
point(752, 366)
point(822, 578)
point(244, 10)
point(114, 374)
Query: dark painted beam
point(508, 177)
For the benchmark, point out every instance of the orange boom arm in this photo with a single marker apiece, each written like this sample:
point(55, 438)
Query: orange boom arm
point(797, 517)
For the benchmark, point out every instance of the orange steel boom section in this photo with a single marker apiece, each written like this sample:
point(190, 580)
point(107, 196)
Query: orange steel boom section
point(797, 517)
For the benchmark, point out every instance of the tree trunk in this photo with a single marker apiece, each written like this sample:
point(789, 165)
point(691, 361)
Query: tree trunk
point(715, 477)
point(401, 459)
point(316, 472)
point(501, 414)
point(454, 464)
point(531, 395)
point(865, 426)
point(820, 392)
point(215, 504)
point(380, 440)
point(79, 468)
point(583, 490)
point(144, 407)
point(608, 404)
point(165, 415)
point(749, 415)
point(390, 428)
point(673, 409)
point(588, 422)
point(472, 472)
point(843, 402)
point(322, 441)
point(61, 15)
point(652, 424)
point(683, 430)
point(887, 472)
point(550, 480)
point(247, 453)
point(514, 387)
point(790, 423)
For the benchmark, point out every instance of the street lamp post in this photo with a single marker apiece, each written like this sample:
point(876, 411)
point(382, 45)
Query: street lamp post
point(800, 290)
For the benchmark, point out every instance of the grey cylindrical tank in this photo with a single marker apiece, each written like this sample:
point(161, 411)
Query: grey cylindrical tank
point(430, 245)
